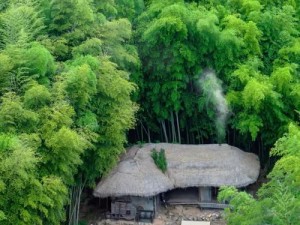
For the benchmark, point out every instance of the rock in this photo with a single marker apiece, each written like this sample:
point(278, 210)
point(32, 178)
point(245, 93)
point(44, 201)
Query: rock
point(158, 222)
point(174, 216)
point(178, 209)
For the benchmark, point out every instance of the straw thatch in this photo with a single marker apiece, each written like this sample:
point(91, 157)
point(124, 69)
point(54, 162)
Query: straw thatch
point(188, 166)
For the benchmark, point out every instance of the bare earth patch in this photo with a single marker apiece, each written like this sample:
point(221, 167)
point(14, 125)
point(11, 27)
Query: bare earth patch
point(173, 216)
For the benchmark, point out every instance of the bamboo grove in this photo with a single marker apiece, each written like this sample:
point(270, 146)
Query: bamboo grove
point(82, 79)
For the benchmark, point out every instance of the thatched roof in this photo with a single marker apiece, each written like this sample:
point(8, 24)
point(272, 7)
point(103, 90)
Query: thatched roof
point(188, 166)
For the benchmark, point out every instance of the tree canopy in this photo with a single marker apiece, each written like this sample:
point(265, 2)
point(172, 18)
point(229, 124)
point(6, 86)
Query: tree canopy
point(65, 104)
point(82, 79)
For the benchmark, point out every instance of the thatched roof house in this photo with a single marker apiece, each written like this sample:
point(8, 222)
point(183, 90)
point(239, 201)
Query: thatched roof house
point(188, 166)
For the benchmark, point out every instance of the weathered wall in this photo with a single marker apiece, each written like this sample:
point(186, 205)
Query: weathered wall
point(143, 203)
point(205, 194)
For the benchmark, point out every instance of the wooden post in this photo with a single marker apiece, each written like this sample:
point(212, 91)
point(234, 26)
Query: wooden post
point(154, 205)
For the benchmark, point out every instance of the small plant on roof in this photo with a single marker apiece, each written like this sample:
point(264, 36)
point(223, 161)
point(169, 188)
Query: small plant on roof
point(159, 159)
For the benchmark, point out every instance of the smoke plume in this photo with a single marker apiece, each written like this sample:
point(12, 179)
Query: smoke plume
point(213, 93)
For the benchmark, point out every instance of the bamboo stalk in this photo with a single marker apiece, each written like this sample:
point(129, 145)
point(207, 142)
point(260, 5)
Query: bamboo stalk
point(178, 127)
point(174, 139)
point(163, 124)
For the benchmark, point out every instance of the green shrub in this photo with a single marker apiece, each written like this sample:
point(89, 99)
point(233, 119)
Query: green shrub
point(160, 159)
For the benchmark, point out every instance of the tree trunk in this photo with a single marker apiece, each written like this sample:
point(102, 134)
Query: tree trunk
point(234, 137)
point(228, 136)
point(163, 124)
point(187, 134)
point(74, 203)
point(78, 205)
point(198, 135)
point(174, 139)
point(142, 136)
point(147, 132)
point(149, 135)
point(137, 133)
point(178, 127)
point(169, 130)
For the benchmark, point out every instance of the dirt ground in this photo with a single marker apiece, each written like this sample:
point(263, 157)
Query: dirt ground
point(172, 215)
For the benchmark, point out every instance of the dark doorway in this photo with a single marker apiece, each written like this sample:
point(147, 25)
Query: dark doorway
point(215, 192)
point(183, 196)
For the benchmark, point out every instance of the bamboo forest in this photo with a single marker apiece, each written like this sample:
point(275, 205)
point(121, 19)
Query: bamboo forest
point(82, 81)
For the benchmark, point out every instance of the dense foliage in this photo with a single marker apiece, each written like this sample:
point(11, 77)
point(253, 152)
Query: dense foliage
point(65, 103)
point(278, 200)
point(253, 47)
point(73, 74)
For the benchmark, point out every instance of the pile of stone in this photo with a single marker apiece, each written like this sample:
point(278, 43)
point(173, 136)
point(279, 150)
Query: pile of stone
point(174, 216)
point(115, 222)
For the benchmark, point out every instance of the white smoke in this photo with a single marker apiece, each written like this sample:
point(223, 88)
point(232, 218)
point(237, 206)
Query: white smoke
point(213, 93)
